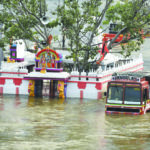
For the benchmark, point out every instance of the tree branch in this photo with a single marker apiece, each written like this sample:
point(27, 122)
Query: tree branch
point(35, 17)
point(23, 29)
point(117, 35)
point(95, 27)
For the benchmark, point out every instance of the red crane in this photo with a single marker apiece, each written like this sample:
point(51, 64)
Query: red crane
point(104, 50)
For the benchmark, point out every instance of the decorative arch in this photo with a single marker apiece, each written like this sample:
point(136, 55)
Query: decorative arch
point(47, 50)
point(49, 60)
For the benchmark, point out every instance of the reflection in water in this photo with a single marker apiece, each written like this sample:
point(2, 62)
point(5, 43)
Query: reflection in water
point(17, 101)
point(43, 124)
point(33, 101)
point(1, 103)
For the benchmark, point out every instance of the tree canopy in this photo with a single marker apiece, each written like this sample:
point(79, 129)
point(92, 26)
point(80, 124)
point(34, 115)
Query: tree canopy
point(133, 18)
point(22, 19)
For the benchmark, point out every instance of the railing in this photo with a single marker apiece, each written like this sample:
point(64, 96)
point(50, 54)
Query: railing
point(102, 75)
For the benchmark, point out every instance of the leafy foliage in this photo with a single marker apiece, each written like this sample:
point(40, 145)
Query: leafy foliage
point(22, 19)
point(80, 22)
point(133, 16)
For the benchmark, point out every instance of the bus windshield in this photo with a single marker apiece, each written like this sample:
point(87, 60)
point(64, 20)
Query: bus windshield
point(115, 94)
point(132, 95)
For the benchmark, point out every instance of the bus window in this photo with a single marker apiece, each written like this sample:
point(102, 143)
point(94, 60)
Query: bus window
point(132, 95)
point(115, 94)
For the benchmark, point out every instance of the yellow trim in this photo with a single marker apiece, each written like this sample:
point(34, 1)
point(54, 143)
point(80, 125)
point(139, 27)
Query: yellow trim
point(60, 89)
point(37, 58)
point(31, 87)
point(10, 61)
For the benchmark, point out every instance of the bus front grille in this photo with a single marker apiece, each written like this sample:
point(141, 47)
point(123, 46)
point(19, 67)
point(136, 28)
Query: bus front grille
point(130, 110)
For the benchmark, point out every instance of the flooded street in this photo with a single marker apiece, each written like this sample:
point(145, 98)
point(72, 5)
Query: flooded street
point(45, 124)
point(51, 124)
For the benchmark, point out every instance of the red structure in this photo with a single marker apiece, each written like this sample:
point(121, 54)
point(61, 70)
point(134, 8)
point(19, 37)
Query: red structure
point(110, 36)
point(107, 37)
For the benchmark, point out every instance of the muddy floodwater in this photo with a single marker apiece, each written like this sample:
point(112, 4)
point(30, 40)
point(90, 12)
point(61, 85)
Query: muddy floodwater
point(52, 124)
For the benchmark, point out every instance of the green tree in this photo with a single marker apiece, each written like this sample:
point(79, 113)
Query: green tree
point(81, 20)
point(22, 19)
point(133, 19)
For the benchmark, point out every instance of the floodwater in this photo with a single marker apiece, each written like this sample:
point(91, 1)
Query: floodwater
point(52, 124)
point(28, 123)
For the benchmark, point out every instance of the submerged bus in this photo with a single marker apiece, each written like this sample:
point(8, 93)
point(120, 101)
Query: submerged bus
point(128, 93)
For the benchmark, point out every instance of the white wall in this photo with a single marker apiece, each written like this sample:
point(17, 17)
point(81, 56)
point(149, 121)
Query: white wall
point(20, 48)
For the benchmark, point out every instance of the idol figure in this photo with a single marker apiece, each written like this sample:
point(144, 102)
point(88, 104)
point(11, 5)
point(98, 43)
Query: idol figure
point(43, 61)
point(53, 61)
point(49, 60)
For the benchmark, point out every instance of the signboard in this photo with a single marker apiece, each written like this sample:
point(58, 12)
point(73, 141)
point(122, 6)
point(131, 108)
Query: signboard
point(125, 77)
point(116, 84)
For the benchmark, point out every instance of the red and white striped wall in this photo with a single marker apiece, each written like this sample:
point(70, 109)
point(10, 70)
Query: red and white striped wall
point(13, 86)
point(92, 87)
